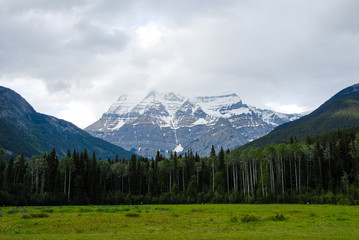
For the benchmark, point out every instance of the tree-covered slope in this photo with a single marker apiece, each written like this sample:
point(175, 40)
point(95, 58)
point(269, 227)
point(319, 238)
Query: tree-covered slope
point(24, 130)
point(339, 112)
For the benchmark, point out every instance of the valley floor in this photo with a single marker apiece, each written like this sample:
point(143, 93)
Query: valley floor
point(207, 221)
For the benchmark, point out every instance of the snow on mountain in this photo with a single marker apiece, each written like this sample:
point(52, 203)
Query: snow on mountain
point(169, 121)
point(124, 104)
point(216, 106)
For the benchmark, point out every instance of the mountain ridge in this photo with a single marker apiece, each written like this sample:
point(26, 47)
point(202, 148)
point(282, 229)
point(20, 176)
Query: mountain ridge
point(162, 121)
point(24, 130)
point(341, 111)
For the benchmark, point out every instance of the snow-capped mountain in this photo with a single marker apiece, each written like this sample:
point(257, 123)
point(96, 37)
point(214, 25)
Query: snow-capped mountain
point(171, 122)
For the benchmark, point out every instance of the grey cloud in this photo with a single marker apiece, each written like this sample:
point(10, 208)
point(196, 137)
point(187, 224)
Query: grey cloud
point(56, 46)
point(18, 6)
point(94, 38)
point(264, 50)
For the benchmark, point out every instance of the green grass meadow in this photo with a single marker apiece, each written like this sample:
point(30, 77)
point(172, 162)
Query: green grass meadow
point(207, 221)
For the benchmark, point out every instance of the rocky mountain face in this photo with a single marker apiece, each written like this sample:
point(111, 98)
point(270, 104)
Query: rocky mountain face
point(171, 122)
point(23, 130)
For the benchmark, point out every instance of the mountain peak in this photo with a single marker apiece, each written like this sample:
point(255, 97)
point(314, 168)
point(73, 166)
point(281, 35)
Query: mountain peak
point(125, 103)
point(13, 105)
point(167, 120)
point(162, 96)
point(225, 99)
point(349, 90)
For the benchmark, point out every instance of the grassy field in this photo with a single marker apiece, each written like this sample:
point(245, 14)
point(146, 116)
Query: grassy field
point(217, 221)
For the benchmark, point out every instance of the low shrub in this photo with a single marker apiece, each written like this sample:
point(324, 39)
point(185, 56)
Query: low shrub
point(25, 216)
point(234, 219)
point(278, 217)
point(39, 215)
point(195, 210)
point(12, 211)
point(48, 210)
point(34, 215)
point(111, 210)
point(249, 218)
point(132, 214)
point(85, 210)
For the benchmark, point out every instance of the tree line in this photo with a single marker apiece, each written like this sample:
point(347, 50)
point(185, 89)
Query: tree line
point(324, 169)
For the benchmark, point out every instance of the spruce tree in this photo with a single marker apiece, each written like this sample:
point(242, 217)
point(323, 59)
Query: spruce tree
point(53, 164)
point(213, 152)
point(175, 169)
point(133, 174)
point(2, 168)
point(9, 176)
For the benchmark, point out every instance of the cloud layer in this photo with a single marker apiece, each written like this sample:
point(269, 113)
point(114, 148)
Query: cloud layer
point(72, 59)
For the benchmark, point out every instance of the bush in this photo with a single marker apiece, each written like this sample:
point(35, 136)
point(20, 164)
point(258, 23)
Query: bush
point(343, 199)
point(109, 209)
point(278, 217)
point(47, 210)
point(39, 215)
point(234, 197)
point(249, 218)
point(35, 215)
point(234, 219)
point(85, 210)
point(12, 211)
point(25, 216)
point(6, 198)
point(132, 214)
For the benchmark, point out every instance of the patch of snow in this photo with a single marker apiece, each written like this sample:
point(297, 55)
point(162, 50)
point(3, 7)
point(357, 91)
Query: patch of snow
point(240, 111)
point(165, 121)
point(124, 104)
point(294, 118)
point(120, 123)
point(212, 105)
point(172, 102)
point(201, 121)
point(178, 149)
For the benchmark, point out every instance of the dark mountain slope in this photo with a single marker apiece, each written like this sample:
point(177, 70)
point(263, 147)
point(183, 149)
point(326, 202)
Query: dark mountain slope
point(24, 130)
point(339, 112)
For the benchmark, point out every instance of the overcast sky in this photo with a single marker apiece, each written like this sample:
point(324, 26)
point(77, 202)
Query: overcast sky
point(72, 59)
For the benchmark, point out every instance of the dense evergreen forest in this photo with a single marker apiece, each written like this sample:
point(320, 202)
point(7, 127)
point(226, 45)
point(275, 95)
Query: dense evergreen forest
point(323, 169)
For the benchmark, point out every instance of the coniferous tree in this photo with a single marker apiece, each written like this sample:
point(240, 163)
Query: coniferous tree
point(92, 178)
point(53, 164)
point(2, 168)
point(133, 177)
point(9, 176)
point(213, 152)
point(175, 169)
point(221, 167)
point(117, 159)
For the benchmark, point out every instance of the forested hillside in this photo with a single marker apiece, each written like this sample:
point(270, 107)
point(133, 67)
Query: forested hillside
point(339, 112)
point(24, 130)
point(324, 169)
